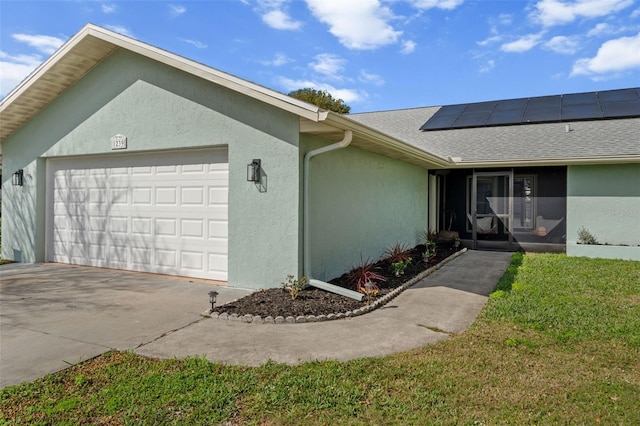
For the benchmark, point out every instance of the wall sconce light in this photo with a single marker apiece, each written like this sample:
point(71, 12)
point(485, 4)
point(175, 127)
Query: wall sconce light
point(253, 171)
point(212, 299)
point(17, 178)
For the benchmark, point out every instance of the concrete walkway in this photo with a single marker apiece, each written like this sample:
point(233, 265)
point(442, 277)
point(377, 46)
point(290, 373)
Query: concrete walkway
point(448, 300)
point(53, 316)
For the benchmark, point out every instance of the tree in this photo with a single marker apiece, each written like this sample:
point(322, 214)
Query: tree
point(321, 98)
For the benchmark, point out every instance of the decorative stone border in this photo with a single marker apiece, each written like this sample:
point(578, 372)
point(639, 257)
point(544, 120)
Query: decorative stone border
point(312, 318)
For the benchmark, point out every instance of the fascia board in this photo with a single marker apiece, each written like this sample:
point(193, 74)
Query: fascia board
point(342, 122)
point(569, 161)
point(253, 90)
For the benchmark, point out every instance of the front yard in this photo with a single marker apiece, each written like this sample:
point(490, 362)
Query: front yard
point(557, 343)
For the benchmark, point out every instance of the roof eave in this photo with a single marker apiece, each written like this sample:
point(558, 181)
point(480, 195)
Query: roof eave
point(14, 118)
point(393, 145)
point(569, 161)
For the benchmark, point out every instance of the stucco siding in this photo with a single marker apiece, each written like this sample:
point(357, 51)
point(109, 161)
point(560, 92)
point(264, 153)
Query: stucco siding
point(160, 108)
point(604, 199)
point(361, 203)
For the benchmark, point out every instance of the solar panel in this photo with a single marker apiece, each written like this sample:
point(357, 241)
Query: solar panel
point(541, 114)
point(544, 102)
point(580, 99)
point(480, 107)
point(621, 109)
point(509, 116)
point(441, 122)
point(472, 119)
point(618, 95)
point(451, 109)
point(510, 104)
point(571, 107)
point(580, 112)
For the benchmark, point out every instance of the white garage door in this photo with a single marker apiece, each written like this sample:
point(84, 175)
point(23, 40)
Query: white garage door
point(161, 212)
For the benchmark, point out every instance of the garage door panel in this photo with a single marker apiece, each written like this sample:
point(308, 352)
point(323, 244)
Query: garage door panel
point(192, 260)
point(192, 196)
point(141, 196)
point(193, 168)
point(218, 229)
point(166, 196)
point(163, 213)
point(141, 226)
point(192, 228)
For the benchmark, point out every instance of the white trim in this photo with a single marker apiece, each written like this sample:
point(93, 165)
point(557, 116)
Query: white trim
point(567, 161)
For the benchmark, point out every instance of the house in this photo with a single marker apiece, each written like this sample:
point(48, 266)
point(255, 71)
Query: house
point(532, 173)
point(118, 154)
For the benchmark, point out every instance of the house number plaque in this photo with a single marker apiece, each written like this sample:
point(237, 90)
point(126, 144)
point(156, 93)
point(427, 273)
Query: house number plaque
point(118, 142)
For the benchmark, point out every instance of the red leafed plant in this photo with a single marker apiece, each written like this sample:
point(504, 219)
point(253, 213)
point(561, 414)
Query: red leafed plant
point(363, 272)
point(399, 252)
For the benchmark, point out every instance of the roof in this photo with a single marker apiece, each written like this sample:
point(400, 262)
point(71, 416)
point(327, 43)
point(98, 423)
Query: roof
point(92, 44)
point(610, 141)
point(395, 134)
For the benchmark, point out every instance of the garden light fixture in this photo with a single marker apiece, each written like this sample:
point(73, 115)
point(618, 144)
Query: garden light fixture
point(17, 178)
point(253, 171)
point(212, 299)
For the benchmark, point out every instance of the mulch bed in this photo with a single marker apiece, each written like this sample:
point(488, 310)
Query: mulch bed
point(312, 301)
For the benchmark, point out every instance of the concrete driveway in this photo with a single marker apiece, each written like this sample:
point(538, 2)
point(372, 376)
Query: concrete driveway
point(53, 316)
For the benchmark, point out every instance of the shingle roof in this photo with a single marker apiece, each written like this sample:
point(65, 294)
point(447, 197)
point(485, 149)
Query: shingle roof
point(527, 142)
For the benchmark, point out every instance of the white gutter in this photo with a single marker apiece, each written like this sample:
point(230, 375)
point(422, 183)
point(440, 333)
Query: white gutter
point(346, 140)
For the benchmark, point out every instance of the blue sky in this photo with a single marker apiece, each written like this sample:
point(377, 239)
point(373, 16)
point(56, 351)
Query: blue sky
point(374, 54)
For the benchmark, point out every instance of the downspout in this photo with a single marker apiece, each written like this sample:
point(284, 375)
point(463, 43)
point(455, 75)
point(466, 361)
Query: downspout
point(346, 140)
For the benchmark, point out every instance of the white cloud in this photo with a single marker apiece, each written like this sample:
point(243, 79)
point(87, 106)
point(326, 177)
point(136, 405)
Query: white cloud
point(108, 8)
point(562, 44)
point(347, 95)
point(488, 66)
point(274, 13)
point(195, 43)
point(177, 10)
point(490, 40)
point(13, 69)
point(328, 65)
point(607, 29)
point(279, 20)
point(558, 12)
point(43, 43)
point(523, 44)
point(505, 19)
point(361, 25)
point(119, 29)
point(278, 60)
point(408, 46)
point(601, 28)
point(437, 4)
point(613, 56)
point(374, 79)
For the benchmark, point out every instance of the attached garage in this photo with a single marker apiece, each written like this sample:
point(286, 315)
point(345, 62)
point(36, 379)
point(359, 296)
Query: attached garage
point(158, 212)
point(132, 158)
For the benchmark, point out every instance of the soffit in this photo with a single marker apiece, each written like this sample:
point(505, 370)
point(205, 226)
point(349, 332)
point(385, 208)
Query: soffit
point(55, 79)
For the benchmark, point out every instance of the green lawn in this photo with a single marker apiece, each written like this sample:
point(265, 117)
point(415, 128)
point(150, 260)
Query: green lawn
point(558, 343)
